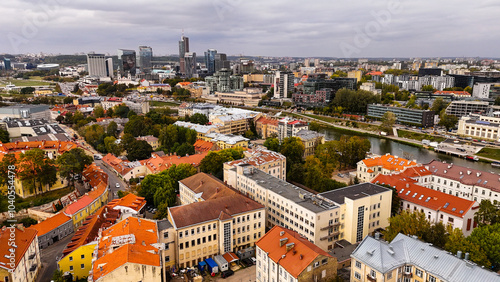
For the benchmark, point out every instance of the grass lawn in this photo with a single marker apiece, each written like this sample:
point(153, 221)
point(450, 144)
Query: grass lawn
point(324, 118)
point(419, 136)
point(26, 83)
point(491, 153)
point(162, 104)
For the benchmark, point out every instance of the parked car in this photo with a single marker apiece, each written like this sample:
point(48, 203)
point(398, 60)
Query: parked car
point(226, 273)
point(117, 185)
point(254, 261)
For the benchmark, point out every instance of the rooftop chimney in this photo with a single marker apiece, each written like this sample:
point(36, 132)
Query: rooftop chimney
point(466, 256)
point(459, 254)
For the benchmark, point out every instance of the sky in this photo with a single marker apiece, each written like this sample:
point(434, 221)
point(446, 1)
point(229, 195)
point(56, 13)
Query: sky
point(318, 28)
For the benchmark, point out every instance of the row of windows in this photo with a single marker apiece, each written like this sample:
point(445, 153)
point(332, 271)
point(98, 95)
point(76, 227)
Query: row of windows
point(198, 241)
point(198, 229)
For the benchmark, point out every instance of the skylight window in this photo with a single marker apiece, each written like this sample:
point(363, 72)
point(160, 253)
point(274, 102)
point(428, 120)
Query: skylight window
point(446, 205)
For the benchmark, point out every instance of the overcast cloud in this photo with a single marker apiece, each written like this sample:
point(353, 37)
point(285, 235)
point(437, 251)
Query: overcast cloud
point(341, 28)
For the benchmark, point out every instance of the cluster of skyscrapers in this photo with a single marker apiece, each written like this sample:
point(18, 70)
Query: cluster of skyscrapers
point(128, 63)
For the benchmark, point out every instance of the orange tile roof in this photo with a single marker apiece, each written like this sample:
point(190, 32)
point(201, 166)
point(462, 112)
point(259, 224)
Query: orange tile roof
point(139, 250)
point(416, 171)
point(130, 201)
point(296, 260)
point(23, 239)
point(265, 120)
point(51, 223)
point(203, 146)
point(223, 208)
point(456, 93)
point(93, 174)
point(88, 232)
point(184, 83)
point(117, 164)
point(409, 190)
point(389, 162)
point(158, 164)
point(209, 186)
point(80, 204)
point(59, 146)
point(230, 257)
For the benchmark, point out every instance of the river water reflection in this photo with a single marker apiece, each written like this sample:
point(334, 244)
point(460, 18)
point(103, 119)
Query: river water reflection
point(384, 146)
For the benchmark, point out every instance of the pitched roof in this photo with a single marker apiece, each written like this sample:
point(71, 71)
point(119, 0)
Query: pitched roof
point(265, 120)
point(258, 156)
point(409, 191)
point(50, 223)
point(297, 259)
point(88, 232)
point(130, 201)
point(59, 146)
point(415, 171)
point(389, 162)
point(204, 146)
point(194, 213)
point(207, 186)
point(405, 250)
point(455, 93)
point(23, 239)
point(158, 164)
point(464, 175)
point(81, 203)
point(129, 241)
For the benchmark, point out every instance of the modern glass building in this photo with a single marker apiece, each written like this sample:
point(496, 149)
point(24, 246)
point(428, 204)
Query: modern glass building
point(145, 57)
point(417, 117)
point(210, 60)
point(126, 61)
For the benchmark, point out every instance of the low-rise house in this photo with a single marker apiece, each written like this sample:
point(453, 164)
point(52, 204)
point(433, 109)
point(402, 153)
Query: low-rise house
point(202, 146)
point(202, 130)
point(406, 258)
point(368, 168)
point(283, 255)
point(202, 187)
point(267, 127)
point(227, 141)
point(158, 163)
point(152, 141)
point(310, 139)
point(19, 261)
point(53, 229)
point(129, 205)
point(260, 157)
point(76, 260)
point(128, 251)
point(87, 204)
point(437, 206)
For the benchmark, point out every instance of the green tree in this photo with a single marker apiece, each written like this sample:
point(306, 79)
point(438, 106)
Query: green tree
point(199, 119)
point(139, 126)
point(413, 223)
point(139, 150)
point(58, 276)
point(111, 146)
point(121, 111)
point(98, 112)
point(213, 162)
point(457, 242)
point(468, 89)
point(437, 235)
point(68, 100)
point(112, 129)
point(428, 88)
point(388, 121)
point(272, 144)
point(4, 136)
point(487, 237)
point(396, 200)
point(93, 134)
point(168, 136)
point(296, 173)
point(249, 134)
point(36, 170)
point(438, 105)
point(488, 213)
point(8, 162)
point(185, 149)
point(497, 101)
point(293, 149)
point(27, 90)
point(72, 163)
point(314, 170)
point(448, 121)
point(58, 88)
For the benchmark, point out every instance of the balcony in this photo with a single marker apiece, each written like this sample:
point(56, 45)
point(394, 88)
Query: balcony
point(407, 274)
point(329, 236)
point(330, 226)
point(370, 278)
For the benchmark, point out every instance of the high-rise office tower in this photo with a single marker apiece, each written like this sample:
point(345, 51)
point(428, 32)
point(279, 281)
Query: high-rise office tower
point(307, 63)
point(126, 62)
point(210, 60)
point(283, 84)
point(99, 66)
point(6, 64)
point(145, 57)
point(183, 49)
point(190, 64)
point(220, 62)
point(316, 63)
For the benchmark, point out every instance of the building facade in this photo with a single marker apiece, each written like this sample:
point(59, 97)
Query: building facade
point(483, 127)
point(368, 168)
point(423, 118)
point(21, 263)
point(283, 84)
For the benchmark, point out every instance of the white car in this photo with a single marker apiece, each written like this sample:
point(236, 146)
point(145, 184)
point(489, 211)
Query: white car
point(117, 185)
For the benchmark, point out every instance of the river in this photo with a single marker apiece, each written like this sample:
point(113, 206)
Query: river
point(384, 146)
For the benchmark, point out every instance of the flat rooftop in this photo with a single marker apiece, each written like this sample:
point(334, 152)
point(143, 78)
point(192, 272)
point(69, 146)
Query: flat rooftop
point(353, 192)
point(289, 191)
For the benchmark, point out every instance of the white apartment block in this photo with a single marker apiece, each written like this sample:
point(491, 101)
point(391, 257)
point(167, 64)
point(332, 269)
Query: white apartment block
point(322, 219)
point(481, 90)
point(368, 168)
point(483, 127)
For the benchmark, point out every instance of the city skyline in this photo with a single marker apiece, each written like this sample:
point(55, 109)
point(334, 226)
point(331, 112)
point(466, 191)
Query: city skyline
point(281, 29)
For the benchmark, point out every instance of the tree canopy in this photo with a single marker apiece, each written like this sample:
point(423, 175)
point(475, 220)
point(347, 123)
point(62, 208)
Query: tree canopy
point(214, 161)
point(72, 162)
point(388, 121)
point(36, 170)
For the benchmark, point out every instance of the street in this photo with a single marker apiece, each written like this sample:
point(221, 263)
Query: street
point(243, 275)
point(112, 180)
point(48, 257)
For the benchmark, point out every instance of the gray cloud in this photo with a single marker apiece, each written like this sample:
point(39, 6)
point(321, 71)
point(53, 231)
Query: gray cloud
point(268, 28)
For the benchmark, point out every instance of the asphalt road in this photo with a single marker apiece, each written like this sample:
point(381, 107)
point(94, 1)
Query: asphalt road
point(48, 258)
point(112, 180)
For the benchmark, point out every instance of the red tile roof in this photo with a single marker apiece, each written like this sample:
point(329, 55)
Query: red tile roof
point(409, 191)
point(51, 223)
point(23, 239)
point(223, 208)
point(59, 146)
point(230, 257)
point(455, 93)
point(389, 162)
point(138, 250)
point(297, 259)
point(265, 120)
point(204, 146)
point(258, 156)
point(209, 186)
point(158, 164)
point(416, 171)
point(81, 203)
point(467, 176)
